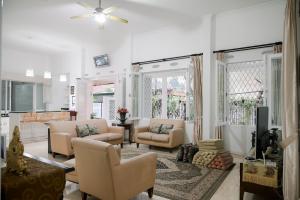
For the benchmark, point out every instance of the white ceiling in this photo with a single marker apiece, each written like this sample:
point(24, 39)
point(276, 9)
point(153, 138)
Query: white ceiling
point(44, 25)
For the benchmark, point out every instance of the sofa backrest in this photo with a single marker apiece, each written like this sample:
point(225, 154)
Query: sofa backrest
point(100, 124)
point(94, 163)
point(63, 126)
point(178, 123)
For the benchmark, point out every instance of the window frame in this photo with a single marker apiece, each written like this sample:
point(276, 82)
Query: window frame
point(164, 74)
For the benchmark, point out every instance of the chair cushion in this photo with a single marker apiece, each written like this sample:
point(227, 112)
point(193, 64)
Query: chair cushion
point(160, 137)
point(145, 135)
point(100, 137)
point(112, 136)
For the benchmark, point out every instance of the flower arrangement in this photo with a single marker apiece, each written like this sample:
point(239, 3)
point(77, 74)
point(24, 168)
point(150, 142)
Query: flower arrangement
point(122, 110)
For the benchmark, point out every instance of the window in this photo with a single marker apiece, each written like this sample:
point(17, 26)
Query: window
point(245, 91)
point(242, 86)
point(22, 96)
point(166, 95)
point(5, 95)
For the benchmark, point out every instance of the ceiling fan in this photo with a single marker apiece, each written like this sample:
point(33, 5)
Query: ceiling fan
point(100, 14)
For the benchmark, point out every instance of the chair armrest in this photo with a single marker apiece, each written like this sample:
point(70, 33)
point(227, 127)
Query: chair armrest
point(61, 142)
point(141, 129)
point(176, 137)
point(138, 174)
point(116, 129)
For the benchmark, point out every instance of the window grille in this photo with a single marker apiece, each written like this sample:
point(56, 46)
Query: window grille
point(112, 108)
point(245, 91)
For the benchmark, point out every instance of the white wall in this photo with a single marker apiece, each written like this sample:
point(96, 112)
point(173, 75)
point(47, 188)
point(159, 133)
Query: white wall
point(259, 24)
point(254, 25)
point(17, 61)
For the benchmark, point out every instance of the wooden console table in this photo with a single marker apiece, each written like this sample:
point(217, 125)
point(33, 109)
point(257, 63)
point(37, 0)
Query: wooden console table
point(45, 180)
point(266, 191)
point(127, 126)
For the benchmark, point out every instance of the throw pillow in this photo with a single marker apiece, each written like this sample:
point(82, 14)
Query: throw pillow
point(166, 128)
point(92, 130)
point(180, 154)
point(185, 152)
point(192, 151)
point(155, 128)
point(82, 131)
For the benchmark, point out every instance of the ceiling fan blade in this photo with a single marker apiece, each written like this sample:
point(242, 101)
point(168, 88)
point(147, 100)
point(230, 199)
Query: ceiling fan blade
point(85, 5)
point(115, 18)
point(109, 10)
point(81, 16)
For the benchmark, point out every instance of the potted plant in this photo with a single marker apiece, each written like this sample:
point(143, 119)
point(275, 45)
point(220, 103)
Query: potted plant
point(122, 112)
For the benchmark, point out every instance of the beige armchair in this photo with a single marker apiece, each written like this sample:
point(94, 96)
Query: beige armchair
point(102, 174)
point(173, 139)
point(62, 132)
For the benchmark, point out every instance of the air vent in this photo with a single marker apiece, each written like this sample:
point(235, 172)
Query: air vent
point(98, 73)
point(155, 66)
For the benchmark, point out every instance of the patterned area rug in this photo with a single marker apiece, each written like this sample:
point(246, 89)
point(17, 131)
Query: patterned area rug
point(181, 181)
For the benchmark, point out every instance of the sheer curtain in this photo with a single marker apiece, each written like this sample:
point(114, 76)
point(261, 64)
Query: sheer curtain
point(221, 111)
point(290, 106)
point(276, 91)
point(197, 62)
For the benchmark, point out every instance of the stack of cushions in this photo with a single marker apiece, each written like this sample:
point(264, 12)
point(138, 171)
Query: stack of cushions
point(211, 145)
point(222, 161)
point(203, 158)
point(161, 128)
point(186, 153)
point(212, 155)
point(85, 130)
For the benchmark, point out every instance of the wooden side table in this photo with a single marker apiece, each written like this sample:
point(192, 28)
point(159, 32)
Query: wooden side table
point(127, 126)
point(268, 192)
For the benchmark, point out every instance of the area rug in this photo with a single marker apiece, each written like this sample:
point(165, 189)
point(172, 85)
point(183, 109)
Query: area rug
point(181, 181)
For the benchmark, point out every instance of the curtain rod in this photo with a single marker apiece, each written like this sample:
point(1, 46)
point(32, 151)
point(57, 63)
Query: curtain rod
point(166, 59)
point(248, 48)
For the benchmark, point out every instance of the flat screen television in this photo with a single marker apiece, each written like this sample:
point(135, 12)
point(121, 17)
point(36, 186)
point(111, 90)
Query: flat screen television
point(101, 61)
point(262, 114)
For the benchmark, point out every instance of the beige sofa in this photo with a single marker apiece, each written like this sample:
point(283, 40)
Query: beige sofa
point(102, 174)
point(171, 140)
point(62, 132)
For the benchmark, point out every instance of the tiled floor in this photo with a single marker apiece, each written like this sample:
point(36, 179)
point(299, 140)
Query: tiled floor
point(229, 190)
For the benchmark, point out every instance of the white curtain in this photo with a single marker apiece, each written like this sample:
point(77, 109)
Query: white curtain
point(198, 99)
point(290, 110)
point(135, 91)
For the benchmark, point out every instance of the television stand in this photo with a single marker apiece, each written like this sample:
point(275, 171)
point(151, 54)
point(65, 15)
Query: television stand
point(268, 192)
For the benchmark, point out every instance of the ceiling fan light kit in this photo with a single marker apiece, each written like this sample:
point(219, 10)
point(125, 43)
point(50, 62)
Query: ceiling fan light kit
point(99, 14)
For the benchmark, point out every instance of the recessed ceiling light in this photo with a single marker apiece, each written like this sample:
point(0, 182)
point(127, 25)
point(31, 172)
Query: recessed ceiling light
point(29, 73)
point(47, 75)
point(62, 78)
